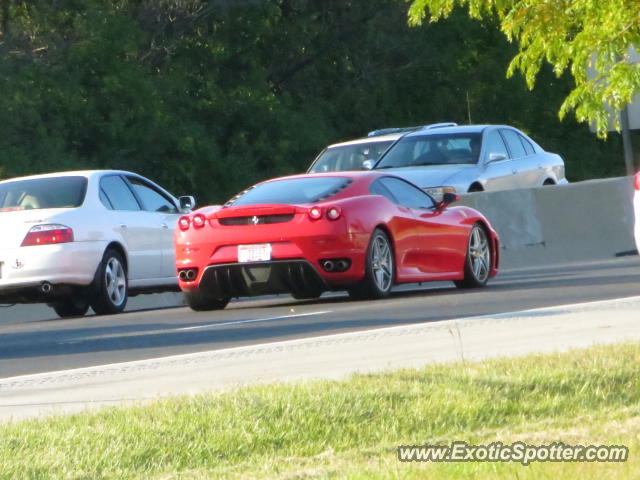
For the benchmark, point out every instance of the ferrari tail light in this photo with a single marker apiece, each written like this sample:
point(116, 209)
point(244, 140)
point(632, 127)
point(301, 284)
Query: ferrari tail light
point(333, 213)
point(48, 235)
point(184, 223)
point(315, 213)
point(198, 220)
point(637, 182)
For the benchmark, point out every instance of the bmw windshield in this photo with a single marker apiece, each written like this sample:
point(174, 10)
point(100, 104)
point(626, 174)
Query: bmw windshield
point(433, 149)
point(349, 157)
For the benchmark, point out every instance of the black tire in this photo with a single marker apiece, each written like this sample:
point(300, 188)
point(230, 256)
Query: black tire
point(200, 302)
point(110, 290)
point(379, 270)
point(478, 260)
point(306, 296)
point(71, 307)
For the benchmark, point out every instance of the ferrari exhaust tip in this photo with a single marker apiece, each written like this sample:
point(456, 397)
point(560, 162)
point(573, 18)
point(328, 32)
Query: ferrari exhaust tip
point(188, 275)
point(342, 265)
point(328, 265)
point(337, 265)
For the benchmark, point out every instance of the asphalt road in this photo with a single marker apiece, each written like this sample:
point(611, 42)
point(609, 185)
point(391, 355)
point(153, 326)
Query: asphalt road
point(42, 346)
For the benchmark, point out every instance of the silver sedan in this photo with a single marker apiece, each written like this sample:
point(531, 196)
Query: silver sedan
point(74, 239)
point(472, 158)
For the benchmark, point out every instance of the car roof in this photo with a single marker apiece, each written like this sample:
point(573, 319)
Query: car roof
point(346, 173)
point(391, 134)
point(390, 137)
point(417, 133)
point(456, 129)
point(71, 173)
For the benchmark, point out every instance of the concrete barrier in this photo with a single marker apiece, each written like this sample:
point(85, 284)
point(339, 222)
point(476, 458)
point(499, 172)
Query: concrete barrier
point(584, 221)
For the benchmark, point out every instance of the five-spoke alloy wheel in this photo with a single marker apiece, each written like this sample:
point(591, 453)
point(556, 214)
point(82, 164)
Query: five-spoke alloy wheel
point(111, 288)
point(477, 266)
point(379, 269)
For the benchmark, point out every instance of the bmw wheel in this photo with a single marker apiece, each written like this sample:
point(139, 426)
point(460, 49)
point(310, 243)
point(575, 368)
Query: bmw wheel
point(111, 287)
point(379, 269)
point(477, 265)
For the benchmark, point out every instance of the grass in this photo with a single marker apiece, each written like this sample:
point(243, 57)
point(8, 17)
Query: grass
point(351, 428)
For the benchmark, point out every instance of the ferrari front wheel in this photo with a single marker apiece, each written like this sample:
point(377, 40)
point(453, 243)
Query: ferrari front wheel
point(379, 272)
point(477, 265)
point(201, 302)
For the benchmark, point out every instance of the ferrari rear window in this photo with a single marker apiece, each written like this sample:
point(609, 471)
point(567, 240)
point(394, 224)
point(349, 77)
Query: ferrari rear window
point(291, 191)
point(40, 193)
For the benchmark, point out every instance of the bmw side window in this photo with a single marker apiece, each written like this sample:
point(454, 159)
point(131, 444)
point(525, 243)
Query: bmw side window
point(406, 194)
point(514, 143)
point(152, 200)
point(495, 144)
point(118, 193)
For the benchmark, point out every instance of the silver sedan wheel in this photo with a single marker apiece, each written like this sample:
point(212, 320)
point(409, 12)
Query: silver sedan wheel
point(382, 263)
point(479, 254)
point(115, 281)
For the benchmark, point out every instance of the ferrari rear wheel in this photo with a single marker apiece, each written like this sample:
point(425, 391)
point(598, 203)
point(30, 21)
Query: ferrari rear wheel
point(201, 302)
point(71, 307)
point(379, 272)
point(477, 265)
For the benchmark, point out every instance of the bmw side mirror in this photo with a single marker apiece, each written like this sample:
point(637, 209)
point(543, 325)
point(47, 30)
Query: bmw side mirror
point(187, 203)
point(367, 164)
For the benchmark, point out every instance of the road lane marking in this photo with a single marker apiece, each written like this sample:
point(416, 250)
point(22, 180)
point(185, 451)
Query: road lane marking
point(256, 320)
point(75, 341)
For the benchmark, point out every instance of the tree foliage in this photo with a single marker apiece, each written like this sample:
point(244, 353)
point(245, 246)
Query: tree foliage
point(573, 35)
point(210, 96)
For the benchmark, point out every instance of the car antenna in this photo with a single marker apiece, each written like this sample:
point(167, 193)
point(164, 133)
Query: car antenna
point(468, 107)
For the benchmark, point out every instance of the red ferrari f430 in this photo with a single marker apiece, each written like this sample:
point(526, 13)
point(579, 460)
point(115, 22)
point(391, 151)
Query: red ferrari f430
point(357, 231)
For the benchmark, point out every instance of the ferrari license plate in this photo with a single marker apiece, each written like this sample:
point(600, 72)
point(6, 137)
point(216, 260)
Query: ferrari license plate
point(254, 253)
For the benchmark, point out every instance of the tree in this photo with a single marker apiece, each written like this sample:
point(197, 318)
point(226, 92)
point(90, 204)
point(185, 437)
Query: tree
point(573, 35)
point(4, 23)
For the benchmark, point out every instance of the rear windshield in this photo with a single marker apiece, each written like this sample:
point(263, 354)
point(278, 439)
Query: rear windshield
point(291, 191)
point(39, 193)
point(349, 157)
